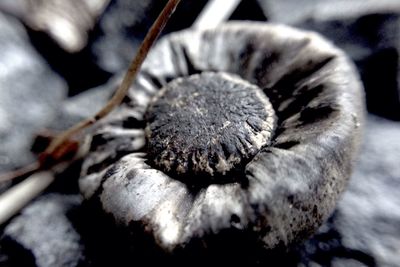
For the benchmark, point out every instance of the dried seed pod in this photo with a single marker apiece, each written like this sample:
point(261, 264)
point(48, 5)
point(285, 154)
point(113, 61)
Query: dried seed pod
point(207, 125)
point(285, 182)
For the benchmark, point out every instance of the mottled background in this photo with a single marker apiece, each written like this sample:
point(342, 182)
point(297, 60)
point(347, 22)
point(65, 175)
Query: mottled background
point(59, 62)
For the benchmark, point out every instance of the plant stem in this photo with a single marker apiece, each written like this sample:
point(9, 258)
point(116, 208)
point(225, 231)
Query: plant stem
point(27, 170)
point(12, 201)
point(18, 196)
point(129, 77)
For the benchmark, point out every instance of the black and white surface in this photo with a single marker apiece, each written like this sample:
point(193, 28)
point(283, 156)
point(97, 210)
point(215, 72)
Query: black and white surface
point(362, 231)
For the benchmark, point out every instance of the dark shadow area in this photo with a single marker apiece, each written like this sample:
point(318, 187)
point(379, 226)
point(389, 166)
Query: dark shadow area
point(79, 70)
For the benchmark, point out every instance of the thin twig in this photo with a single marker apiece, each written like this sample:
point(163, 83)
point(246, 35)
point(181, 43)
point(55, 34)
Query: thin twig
point(26, 170)
point(55, 151)
point(129, 77)
point(12, 201)
point(59, 145)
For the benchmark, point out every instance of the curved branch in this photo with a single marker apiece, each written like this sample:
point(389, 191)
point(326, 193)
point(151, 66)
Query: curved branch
point(129, 77)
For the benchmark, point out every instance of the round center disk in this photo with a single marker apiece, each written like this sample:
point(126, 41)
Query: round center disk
point(207, 124)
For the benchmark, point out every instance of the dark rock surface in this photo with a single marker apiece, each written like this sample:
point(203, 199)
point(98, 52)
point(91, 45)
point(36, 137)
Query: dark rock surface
point(296, 11)
point(44, 232)
point(121, 29)
point(249, 10)
point(369, 31)
point(60, 31)
point(30, 93)
point(81, 106)
point(68, 23)
point(373, 42)
point(124, 24)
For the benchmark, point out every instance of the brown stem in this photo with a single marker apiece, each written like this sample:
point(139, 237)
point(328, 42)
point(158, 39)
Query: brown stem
point(59, 145)
point(18, 196)
point(129, 77)
point(27, 170)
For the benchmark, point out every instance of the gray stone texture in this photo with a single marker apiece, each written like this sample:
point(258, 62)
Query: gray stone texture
point(30, 93)
point(44, 229)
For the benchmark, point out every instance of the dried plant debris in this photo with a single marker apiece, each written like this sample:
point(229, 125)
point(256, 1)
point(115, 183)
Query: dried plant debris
point(282, 190)
point(206, 124)
point(68, 22)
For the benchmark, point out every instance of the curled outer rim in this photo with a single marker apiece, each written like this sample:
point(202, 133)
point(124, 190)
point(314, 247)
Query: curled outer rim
point(292, 184)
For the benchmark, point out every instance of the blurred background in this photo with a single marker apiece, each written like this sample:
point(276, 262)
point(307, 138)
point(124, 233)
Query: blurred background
point(60, 60)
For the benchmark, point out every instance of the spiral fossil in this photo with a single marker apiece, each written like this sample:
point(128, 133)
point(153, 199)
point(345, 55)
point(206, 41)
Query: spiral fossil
point(160, 161)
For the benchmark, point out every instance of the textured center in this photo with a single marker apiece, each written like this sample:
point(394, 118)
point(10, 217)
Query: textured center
point(207, 124)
